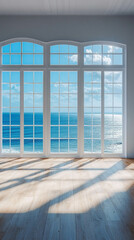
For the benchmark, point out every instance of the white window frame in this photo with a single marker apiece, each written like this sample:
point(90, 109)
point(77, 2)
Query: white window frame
point(80, 68)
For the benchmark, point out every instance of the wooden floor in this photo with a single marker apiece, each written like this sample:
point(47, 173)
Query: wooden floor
point(66, 199)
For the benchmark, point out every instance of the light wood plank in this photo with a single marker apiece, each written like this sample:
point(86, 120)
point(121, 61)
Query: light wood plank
point(66, 199)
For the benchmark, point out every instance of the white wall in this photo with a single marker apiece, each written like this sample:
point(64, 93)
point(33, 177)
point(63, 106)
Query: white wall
point(81, 28)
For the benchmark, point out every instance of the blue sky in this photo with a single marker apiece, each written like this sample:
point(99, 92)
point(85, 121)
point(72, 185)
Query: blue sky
point(64, 83)
point(67, 54)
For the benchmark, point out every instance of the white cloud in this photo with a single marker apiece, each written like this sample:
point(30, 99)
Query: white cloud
point(88, 51)
point(107, 60)
point(15, 87)
point(110, 49)
point(97, 58)
point(88, 59)
point(73, 58)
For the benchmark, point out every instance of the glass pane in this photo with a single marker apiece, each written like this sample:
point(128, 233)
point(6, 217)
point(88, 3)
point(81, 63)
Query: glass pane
point(54, 145)
point(28, 77)
point(28, 116)
point(5, 59)
point(97, 58)
point(64, 60)
point(15, 100)
point(15, 59)
point(15, 145)
point(54, 132)
point(73, 145)
point(73, 59)
point(63, 54)
point(15, 116)
point(97, 49)
point(6, 146)
point(5, 77)
point(64, 48)
point(38, 116)
point(63, 145)
point(73, 49)
point(15, 132)
point(16, 47)
point(38, 59)
point(6, 132)
point(28, 59)
point(38, 77)
point(28, 132)
point(107, 59)
point(54, 59)
point(55, 49)
point(38, 48)
point(107, 49)
point(118, 60)
point(38, 145)
point(88, 49)
point(88, 145)
point(88, 59)
point(15, 77)
point(28, 145)
point(6, 48)
point(27, 47)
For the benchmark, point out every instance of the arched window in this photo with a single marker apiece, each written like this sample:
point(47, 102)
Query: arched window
point(99, 54)
point(62, 98)
point(64, 54)
point(22, 53)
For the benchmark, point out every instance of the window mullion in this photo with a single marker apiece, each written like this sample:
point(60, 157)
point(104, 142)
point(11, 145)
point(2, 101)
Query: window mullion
point(102, 113)
point(0, 112)
point(21, 113)
point(47, 111)
point(80, 106)
point(80, 113)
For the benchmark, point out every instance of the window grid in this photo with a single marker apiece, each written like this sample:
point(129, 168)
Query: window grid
point(66, 56)
point(21, 54)
point(60, 111)
point(79, 67)
point(8, 136)
point(33, 139)
point(115, 143)
point(90, 125)
point(102, 57)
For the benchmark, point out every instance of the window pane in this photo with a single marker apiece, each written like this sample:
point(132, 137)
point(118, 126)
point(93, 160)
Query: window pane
point(5, 59)
point(28, 59)
point(103, 54)
point(63, 55)
point(38, 48)
point(16, 47)
point(27, 47)
point(113, 112)
point(38, 59)
point(31, 54)
point(6, 48)
point(10, 112)
point(92, 112)
point(33, 111)
point(63, 108)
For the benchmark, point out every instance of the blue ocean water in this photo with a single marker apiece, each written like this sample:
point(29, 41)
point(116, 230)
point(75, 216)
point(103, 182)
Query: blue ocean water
point(63, 132)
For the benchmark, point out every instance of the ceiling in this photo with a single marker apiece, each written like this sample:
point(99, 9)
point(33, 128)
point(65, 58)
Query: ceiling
point(66, 7)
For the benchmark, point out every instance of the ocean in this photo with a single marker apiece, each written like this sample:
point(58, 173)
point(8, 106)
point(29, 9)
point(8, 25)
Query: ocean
point(63, 133)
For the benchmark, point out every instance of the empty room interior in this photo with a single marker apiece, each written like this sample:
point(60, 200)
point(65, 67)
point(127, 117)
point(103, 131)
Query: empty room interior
point(67, 120)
